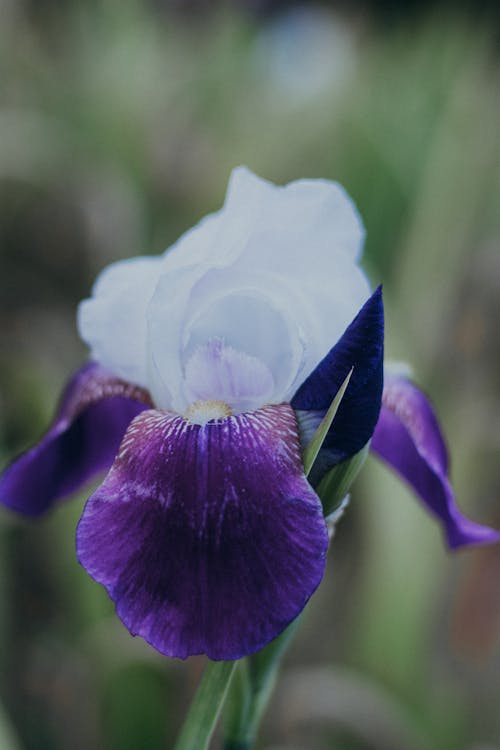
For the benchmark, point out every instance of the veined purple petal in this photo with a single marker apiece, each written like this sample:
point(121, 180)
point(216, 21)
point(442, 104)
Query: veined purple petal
point(208, 538)
point(361, 347)
point(408, 438)
point(94, 412)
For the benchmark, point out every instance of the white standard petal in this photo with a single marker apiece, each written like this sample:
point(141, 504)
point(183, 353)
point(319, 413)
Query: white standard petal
point(274, 275)
point(256, 315)
point(318, 209)
point(310, 234)
point(113, 321)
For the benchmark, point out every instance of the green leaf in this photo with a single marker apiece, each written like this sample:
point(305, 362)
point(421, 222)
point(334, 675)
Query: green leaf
point(317, 440)
point(336, 483)
point(206, 706)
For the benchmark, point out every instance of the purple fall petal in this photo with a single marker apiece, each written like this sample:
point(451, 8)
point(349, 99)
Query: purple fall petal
point(208, 538)
point(408, 438)
point(94, 412)
point(361, 347)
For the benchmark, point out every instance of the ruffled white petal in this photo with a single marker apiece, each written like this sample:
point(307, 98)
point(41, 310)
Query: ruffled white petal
point(274, 274)
point(310, 233)
point(318, 209)
point(250, 312)
point(113, 321)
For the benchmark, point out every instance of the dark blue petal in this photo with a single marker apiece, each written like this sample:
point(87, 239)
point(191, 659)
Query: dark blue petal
point(361, 347)
point(95, 410)
point(208, 538)
point(408, 438)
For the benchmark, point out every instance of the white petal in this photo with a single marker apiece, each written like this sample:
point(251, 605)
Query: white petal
point(217, 372)
point(320, 210)
point(113, 321)
point(164, 318)
point(310, 233)
point(274, 274)
point(256, 314)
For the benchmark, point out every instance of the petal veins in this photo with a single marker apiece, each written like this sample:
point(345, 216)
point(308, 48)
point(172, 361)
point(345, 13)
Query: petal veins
point(208, 537)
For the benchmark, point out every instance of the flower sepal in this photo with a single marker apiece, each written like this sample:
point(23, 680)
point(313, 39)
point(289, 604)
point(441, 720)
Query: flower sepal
point(208, 537)
point(409, 439)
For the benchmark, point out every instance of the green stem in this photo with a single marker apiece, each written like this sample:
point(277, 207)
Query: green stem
point(251, 690)
point(206, 706)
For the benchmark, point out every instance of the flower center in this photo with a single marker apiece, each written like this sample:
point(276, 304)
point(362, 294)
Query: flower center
point(201, 412)
point(215, 373)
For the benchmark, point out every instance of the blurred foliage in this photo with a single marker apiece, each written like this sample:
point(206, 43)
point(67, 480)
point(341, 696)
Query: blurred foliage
point(119, 124)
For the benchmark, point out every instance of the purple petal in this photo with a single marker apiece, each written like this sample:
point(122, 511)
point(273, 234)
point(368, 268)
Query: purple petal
point(208, 538)
point(361, 347)
point(94, 412)
point(408, 438)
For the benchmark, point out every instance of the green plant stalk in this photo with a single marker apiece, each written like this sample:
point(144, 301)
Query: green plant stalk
point(206, 706)
point(251, 689)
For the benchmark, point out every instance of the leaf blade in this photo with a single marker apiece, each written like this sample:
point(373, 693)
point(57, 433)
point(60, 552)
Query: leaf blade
point(206, 706)
point(336, 483)
point(317, 440)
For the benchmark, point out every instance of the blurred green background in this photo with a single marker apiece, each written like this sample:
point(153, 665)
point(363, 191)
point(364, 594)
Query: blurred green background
point(119, 124)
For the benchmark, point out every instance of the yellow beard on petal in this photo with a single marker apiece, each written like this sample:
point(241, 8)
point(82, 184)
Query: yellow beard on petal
point(201, 412)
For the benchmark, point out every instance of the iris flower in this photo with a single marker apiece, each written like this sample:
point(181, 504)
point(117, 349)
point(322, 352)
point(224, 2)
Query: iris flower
point(210, 368)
